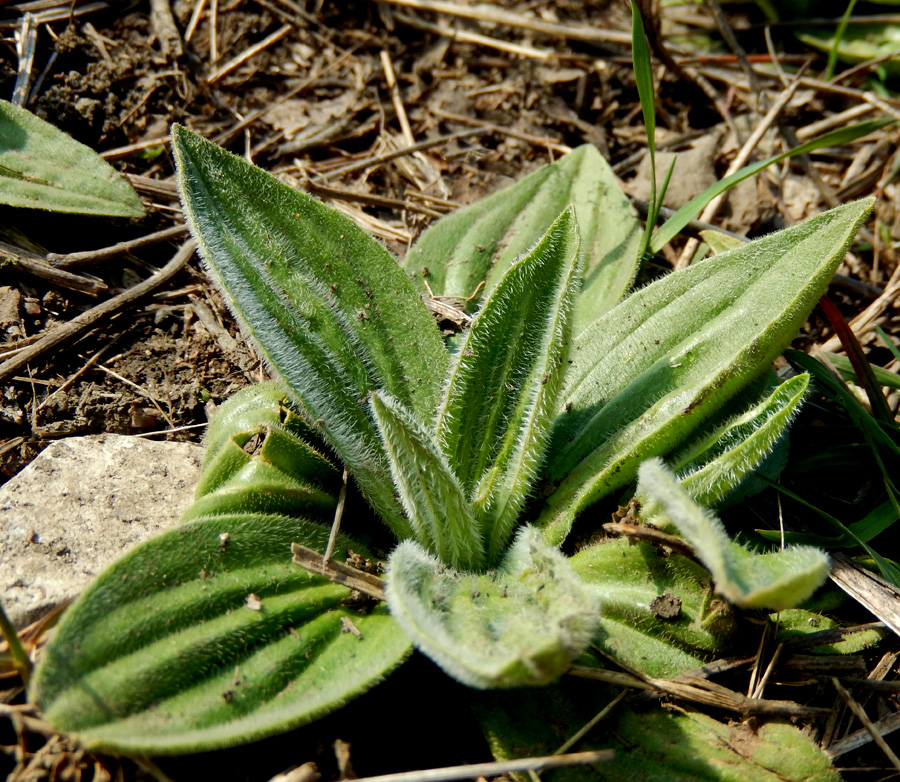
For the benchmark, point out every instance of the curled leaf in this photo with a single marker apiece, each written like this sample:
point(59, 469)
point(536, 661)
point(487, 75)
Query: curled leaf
point(521, 625)
point(776, 580)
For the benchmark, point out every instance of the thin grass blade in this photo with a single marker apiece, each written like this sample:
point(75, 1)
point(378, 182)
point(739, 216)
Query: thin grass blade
point(673, 226)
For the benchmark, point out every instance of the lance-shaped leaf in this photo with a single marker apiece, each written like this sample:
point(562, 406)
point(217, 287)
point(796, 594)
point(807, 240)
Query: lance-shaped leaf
point(208, 637)
point(520, 625)
point(480, 242)
point(710, 470)
point(43, 168)
point(776, 580)
point(502, 391)
point(328, 307)
point(432, 496)
point(650, 372)
point(657, 613)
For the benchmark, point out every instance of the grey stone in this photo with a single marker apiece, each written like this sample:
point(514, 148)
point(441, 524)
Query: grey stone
point(79, 506)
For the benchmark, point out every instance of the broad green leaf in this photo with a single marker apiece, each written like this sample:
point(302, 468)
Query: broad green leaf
point(650, 372)
point(711, 470)
point(777, 580)
point(43, 168)
point(657, 613)
point(480, 242)
point(208, 636)
point(651, 745)
point(521, 625)
point(431, 494)
point(502, 392)
point(328, 307)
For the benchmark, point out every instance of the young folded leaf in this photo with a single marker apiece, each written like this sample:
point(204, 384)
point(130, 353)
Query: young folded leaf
point(328, 307)
point(711, 470)
point(777, 580)
point(521, 625)
point(433, 498)
point(502, 393)
point(481, 241)
point(651, 371)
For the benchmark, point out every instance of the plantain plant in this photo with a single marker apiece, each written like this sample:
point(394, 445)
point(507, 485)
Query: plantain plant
point(481, 452)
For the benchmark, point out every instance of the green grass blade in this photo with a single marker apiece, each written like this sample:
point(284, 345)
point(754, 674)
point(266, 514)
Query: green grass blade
point(690, 210)
point(836, 45)
point(643, 76)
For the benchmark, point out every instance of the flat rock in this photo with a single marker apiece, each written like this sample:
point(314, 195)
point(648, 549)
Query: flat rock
point(80, 505)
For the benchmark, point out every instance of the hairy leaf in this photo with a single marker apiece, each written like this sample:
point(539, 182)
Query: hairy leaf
point(502, 392)
point(208, 636)
point(432, 496)
point(521, 625)
point(258, 425)
point(711, 470)
point(674, 745)
point(43, 168)
point(480, 242)
point(650, 372)
point(657, 614)
point(329, 308)
point(777, 580)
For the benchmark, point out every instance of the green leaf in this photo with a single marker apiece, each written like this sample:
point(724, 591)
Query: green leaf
point(260, 459)
point(208, 636)
point(328, 307)
point(711, 470)
point(777, 580)
point(859, 43)
point(502, 391)
point(795, 623)
point(845, 368)
point(650, 372)
point(433, 498)
point(836, 138)
point(651, 745)
point(43, 168)
point(258, 425)
point(657, 613)
point(521, 625)
point(480, 242)
point(720, 242)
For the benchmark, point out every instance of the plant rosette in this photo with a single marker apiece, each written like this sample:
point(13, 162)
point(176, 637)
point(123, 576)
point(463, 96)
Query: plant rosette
point(478, 452)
